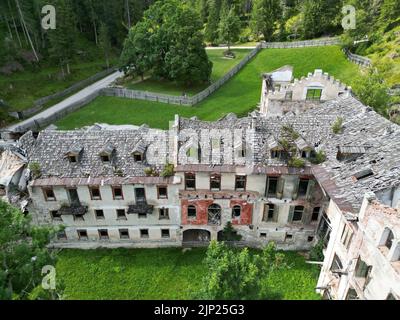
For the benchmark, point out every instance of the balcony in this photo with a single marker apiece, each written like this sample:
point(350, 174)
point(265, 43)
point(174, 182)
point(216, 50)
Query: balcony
point(140, 208)
point(75, 209)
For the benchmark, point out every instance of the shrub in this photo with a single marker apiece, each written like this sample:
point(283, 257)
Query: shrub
point(168, 170)
point(320, 157)
point(297, 163)
point(35, 169)
point(230, 234)
point(150, 172)
point(337, 125)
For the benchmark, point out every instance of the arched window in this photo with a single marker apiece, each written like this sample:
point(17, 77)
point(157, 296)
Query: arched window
point(387, 239)
point(191, 211)
point(236, 211)
point(214, 214)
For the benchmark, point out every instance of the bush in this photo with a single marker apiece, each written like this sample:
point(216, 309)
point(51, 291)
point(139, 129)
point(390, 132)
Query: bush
point(168, 170)
point(320, 157)
point(35, 169)
point(150, 172)
point(337, 125)
point(230, 234)
point(297, 163)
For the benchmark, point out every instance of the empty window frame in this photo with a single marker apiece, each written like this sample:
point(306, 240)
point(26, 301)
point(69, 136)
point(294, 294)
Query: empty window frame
point(73, 196)
point(236, 212)
point(289, 237)
point(215, 182)
point(55, 215)
point(270, 213)
point(99, 214)
point(191, 212)
point(142, 215)
point(95, 193)
point(163, 213)
point(61, 235)
point(72, 158)
point(165, 233)
point(272, 186)
point(49, 194)
point(121, 214)
point(240, 183)
point(162, 192)
point(103, 234)
point(336, 264)
point(298, 213)
point(82, 234)
point(123, 233)
point(105, 158)
point(347, 236)
point(140, 195)
point(144, 233)
point(315, 213)
point(117, 193)
point(362, 270)
point(190, 181)
point(389, 240)
point(303, 186)
point(78, 217)
point(138, 157)
point(352, 294)
point(288, 95)
point(314, 94)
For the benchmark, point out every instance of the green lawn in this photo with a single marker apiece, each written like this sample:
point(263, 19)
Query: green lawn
point(221, 66)
point(161, 274)
point(21, 89)
point(239, 95)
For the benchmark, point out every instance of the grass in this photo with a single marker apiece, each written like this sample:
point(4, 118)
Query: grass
point(221, 66)
point(21, 89)
point(161, 274)
point(239, 95)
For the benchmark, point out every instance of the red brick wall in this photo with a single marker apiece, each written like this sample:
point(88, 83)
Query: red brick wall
point(202, 211)
point(245, 216)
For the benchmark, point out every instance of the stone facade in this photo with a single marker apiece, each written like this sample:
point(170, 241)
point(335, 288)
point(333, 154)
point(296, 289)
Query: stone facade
point(280, 174)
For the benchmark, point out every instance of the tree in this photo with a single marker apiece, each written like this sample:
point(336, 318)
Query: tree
point(264, 17)
point(321, 16)
point(229, 233)
point(241, 275)
point(168, 42)
point(372, 90)
point(229, 28)
point(211, 30)
point(62, 39)
point(23, 253)
point(104, 43)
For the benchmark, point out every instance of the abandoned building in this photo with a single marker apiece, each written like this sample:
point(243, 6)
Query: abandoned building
point(311, 164)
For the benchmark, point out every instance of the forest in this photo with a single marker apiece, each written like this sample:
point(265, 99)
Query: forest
point(100, 30)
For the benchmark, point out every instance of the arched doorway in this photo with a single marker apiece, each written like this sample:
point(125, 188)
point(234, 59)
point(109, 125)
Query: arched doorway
point(196, 235)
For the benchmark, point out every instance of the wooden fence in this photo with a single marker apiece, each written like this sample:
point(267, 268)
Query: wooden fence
point(360, 60)
point(301, 44)
point(181, 100)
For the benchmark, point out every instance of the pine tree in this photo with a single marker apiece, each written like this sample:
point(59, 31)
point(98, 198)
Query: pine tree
point(265, 15)
point(63, 37)
point(104, 43)
point(211, 31)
